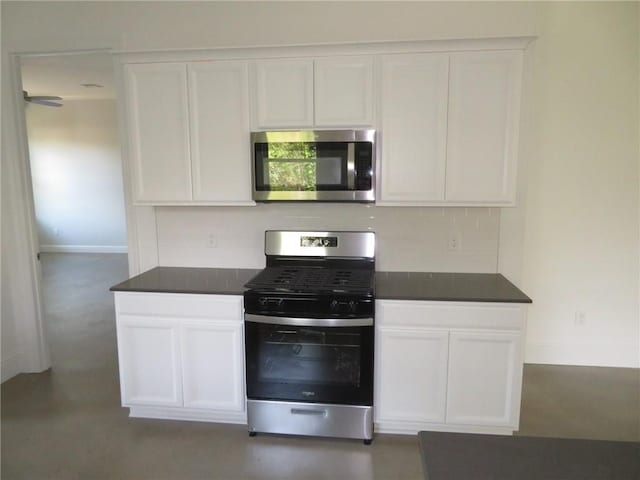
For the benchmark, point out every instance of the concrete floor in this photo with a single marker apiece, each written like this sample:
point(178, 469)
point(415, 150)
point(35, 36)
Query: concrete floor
point(66, 423)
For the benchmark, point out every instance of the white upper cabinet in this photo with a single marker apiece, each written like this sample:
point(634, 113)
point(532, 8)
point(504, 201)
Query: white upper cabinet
point(188, 125)
point(284, 93)
point(219, 104)
point(158, 125)
point(344, 91)
point(322, 92)
point(449, 128)
point(413, 124)
point(482, 142)
point(446, 116)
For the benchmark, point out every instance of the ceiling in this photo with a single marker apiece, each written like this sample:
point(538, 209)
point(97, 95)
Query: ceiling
point(63, 75)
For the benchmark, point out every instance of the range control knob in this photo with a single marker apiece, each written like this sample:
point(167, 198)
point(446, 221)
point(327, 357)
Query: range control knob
point(333, 305)
point(352, 305)
point(262, 301)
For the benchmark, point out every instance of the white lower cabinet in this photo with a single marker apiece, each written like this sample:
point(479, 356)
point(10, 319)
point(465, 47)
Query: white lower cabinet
point(448, 366)
point(181, 356)
point(407, 392)
point(148, 350)
point(212, 360)
point(485, 377)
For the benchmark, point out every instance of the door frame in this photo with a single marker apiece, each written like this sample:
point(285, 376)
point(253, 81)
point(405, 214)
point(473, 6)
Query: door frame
point(36, 355)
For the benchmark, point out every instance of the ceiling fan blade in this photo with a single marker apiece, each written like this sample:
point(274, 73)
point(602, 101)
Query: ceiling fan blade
point(45, 97)
point(40, 101)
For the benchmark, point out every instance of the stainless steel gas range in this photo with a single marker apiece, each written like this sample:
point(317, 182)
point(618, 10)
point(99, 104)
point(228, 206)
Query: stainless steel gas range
point(309, 335)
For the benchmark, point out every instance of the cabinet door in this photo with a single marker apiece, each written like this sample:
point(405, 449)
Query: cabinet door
point(413, 122)
point(150, 371)
point(219, 105)
point(485, 378)
point(411, 375)
point(484, 106)
point(284, 93)
point(213, 365)
point(343, 91)
point(158, 122)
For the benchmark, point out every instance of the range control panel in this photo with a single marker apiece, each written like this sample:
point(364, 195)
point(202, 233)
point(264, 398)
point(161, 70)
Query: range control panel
point(313, 306)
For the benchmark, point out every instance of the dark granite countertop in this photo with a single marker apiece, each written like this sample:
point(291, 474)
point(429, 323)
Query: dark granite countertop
point(463, 456)
point(462, 287)
point(213, 281)
point(452, 287)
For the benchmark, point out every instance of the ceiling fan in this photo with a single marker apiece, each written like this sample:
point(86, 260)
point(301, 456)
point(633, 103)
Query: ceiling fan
point(49, 101)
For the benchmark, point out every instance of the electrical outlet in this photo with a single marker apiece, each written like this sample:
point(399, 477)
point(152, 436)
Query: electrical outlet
point(580, 318)
point(212, 240)
point(454, 241)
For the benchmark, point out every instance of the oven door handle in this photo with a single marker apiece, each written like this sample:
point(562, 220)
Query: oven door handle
point(309, 322)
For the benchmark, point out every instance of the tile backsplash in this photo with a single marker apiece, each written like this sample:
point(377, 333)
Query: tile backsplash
point(407, 239)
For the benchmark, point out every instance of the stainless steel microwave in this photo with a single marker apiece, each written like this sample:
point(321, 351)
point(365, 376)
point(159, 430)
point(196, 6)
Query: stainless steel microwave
point(314, 165)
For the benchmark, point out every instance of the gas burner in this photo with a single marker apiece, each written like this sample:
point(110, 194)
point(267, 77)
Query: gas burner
point(314, 280)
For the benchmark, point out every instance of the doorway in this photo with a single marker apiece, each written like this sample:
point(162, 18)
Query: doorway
point(79, 203)
point(75, 157)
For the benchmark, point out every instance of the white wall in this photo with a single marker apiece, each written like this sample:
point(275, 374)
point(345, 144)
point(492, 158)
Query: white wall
point(76, 169)
point(552, 249)
point(581, 231)
point(407, 239)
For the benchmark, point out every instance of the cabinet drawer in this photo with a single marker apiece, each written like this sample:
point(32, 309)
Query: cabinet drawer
point(473, 315)
point(228, 307)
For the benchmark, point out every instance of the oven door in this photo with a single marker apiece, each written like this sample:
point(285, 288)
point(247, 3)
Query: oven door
point(309, 359)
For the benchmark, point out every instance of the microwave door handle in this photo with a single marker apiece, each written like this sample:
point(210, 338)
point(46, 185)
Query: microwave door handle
point(351, 166)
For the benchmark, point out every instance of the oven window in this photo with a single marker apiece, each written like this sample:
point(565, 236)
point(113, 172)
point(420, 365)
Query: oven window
point(308, 355)
point(301, 166)
point(329, 364)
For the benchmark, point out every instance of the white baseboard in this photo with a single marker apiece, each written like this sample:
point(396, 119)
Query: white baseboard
point(83, 248)
point(10, 366)
point(412, 428)
point(180, 413)
point(583, 354)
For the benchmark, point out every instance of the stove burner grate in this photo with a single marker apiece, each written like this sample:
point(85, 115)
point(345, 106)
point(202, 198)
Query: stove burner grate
point(313, 279)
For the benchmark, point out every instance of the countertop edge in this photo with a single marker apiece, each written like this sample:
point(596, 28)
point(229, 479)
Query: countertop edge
point(377, 297)
point(176, 291)
point(481, 287)
point(454, 299)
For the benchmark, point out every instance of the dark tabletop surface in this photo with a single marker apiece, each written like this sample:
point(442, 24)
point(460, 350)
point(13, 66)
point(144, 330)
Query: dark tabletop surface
point(454, 287)
point(461, 456)
point(220, 281)
point(463, 287)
